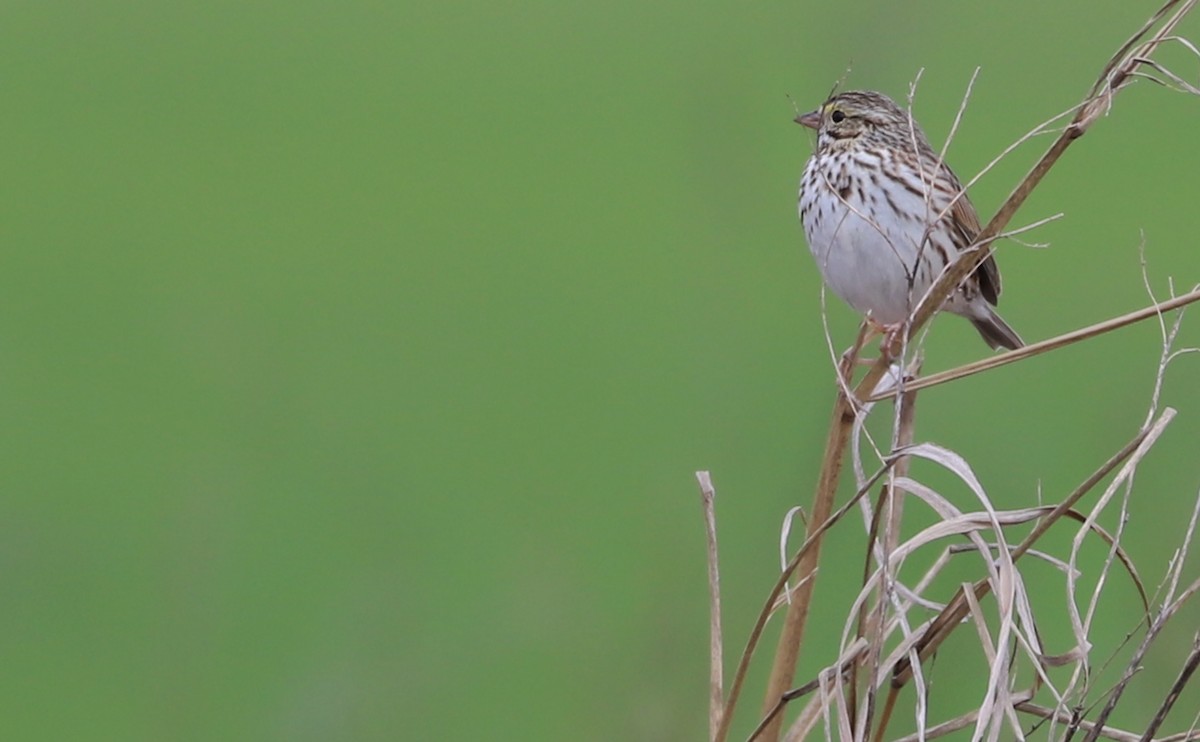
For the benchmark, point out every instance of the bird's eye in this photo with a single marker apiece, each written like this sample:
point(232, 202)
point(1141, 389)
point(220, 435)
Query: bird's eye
point(837, 117)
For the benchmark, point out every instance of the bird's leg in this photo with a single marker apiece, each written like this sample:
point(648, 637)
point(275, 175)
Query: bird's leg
point(893, 340)
point(846, 364)
point(851, 356)
point(890, 346)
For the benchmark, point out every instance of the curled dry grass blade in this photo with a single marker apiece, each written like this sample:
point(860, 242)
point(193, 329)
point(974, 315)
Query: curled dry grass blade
point(957, 608)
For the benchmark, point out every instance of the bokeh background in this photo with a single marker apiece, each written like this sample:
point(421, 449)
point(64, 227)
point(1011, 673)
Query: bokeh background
point(356, 358)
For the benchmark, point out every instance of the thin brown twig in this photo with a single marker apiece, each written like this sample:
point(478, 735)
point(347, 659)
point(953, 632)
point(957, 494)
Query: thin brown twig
point(1113, 733)
point(1189, 667)
point(849, 660)
point(1135, 662)
point(1044, 346)
point(1115, 76)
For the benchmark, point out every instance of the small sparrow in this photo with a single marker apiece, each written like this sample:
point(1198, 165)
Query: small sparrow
point(883, 217)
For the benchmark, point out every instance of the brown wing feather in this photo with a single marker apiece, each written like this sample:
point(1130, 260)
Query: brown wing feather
point(963, 216)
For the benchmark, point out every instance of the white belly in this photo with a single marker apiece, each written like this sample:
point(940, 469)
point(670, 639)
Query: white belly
point(869, 264)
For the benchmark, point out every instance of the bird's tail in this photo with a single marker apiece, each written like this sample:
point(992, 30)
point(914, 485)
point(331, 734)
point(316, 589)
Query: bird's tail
point(996, 332)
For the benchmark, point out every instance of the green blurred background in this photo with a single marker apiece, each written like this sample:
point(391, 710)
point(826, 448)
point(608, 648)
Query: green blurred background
point(357, 357)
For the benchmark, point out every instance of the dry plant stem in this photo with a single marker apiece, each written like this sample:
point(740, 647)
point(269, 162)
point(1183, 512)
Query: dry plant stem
point(784, 668)
point(952, 725)
point(716, 696)
point(952, 615)
point(863, 620)
point(889, 707)
point(1117, 73)
point(1189, 667)
point(739, 677)
point(888, 510)
point(1120, 735)
point(904, 439)
point(1126, 51)
point(1135, 662)
point(842, 670)
point(1142, 441)
point(1045, 346)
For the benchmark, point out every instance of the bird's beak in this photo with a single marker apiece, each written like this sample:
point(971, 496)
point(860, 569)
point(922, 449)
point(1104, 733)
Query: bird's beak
point(812, 120)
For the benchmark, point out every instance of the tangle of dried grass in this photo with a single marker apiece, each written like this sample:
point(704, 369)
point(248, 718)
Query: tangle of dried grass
point(882, 651)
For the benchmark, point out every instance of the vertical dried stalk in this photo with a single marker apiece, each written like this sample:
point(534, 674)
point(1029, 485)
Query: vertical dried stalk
point(716, 689)
point(888, 516)
point(788, 652)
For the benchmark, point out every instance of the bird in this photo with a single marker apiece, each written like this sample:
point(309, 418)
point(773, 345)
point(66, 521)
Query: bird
point(883, 216)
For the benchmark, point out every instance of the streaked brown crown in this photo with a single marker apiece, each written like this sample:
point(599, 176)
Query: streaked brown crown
point(863, 118)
